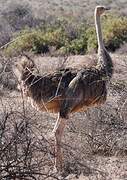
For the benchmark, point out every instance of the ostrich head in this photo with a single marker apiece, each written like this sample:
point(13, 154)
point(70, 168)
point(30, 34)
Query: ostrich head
point(99, 10)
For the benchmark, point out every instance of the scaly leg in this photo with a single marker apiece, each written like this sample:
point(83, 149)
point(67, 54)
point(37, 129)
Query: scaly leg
point(59, 129)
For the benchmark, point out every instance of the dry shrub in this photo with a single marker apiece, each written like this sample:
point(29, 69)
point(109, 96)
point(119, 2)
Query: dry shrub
point(122, 49)
point(24, 153)
point(7, 78)
point(19, 16)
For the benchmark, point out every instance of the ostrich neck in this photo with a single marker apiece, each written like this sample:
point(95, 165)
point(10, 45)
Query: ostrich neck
point(104, 60)
point(99, 32)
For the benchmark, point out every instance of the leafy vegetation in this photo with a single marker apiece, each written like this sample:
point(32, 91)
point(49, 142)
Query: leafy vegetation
point(66, 36)
point(115, 32)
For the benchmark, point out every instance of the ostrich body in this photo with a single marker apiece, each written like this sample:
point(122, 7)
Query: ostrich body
point(68, 90)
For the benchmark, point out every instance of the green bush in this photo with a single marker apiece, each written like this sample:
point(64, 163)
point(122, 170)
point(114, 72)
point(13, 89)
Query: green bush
point(77, 46)
point(64, 35)
point(114, 31)
point(91, 39)
point(67, 37)
point(25, 41)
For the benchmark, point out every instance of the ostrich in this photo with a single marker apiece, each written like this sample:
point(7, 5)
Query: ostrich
point(68, 90)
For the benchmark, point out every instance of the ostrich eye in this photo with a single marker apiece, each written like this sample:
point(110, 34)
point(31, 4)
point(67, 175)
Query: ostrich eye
point(102, 8)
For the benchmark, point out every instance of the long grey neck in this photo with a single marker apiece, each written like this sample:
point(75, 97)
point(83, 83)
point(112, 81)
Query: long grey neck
point(98, 31)
point(104, 60)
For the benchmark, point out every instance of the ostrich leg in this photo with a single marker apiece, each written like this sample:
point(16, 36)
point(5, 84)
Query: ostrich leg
point(58, 130)
point(73, 97)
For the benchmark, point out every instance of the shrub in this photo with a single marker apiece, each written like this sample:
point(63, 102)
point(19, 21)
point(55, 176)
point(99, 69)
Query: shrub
point(36, 40)
point(67, 37)
point(114, 31)
point(26, 40)
point(91, 39)
point(18, 16)
point(77, 46)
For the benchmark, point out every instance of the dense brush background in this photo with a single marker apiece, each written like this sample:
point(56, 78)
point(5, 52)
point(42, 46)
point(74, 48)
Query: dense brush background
point(55, 34)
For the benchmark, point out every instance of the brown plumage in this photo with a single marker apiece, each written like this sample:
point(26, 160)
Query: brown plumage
point(68, 90)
